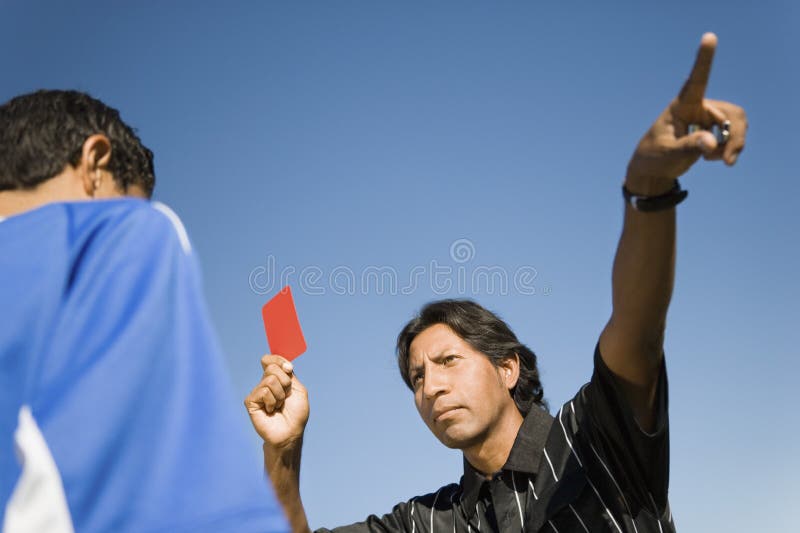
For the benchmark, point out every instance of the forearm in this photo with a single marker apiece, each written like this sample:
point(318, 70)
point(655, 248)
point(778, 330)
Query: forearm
point(283, 467)
point(642, 281)
point(644, 267)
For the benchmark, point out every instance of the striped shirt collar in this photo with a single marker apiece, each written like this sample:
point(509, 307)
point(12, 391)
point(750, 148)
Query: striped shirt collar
point(524, 456)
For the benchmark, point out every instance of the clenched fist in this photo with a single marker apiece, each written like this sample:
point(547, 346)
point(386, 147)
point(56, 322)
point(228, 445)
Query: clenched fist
point(278, 405)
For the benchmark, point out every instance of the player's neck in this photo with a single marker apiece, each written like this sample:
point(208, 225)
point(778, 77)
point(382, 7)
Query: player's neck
point(53, 190)
point(489, 455)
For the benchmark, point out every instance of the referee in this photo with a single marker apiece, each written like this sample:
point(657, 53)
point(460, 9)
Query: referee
point(601, 463)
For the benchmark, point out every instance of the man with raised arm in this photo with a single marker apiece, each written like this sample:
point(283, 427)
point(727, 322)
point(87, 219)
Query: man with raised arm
point(602, 462)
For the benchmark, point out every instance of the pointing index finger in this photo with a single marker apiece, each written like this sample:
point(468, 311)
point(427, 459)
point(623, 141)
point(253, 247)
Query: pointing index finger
point(695, 87)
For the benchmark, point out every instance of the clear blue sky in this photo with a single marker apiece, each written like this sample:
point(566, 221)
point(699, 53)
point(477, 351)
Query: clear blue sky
point(344, 139)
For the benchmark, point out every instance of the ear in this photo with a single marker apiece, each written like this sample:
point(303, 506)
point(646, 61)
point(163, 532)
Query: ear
point(509, 371)
point(93, 166)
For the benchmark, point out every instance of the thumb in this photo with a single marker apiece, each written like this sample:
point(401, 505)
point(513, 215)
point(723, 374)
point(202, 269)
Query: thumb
point(697, 143)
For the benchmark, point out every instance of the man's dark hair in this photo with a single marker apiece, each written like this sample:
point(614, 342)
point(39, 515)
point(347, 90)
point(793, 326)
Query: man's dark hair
point(42, 132)
point(486, 333)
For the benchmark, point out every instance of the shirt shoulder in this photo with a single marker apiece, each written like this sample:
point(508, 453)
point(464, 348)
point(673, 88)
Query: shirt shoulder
point(597, 433)
point(146, 223)
point(62, 231)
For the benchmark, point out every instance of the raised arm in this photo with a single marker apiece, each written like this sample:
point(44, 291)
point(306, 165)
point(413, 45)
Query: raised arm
point(632, 342)
point(278, 409)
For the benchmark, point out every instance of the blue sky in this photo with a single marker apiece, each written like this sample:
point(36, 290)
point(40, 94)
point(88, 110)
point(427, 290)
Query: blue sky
point(374, 142)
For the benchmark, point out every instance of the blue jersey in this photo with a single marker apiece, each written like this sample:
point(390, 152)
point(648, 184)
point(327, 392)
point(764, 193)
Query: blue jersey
point(116, 412)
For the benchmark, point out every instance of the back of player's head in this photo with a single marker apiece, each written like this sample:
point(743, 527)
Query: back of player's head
point(44, 131)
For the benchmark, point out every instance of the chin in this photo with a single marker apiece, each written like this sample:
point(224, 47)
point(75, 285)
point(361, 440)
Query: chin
point(458, 438)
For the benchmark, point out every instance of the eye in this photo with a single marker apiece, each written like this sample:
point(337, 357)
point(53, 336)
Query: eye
point(416, 379)
point(449, 360)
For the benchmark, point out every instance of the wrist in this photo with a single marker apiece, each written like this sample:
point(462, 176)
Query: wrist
point(283, 469)
point(642, 185)
point(284, 452)
point(656, 202)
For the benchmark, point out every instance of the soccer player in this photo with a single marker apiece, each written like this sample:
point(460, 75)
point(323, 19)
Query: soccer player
point(115, 411)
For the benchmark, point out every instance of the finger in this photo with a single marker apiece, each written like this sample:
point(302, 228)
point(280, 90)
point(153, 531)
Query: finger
point(700, 143)
point(736, 141)
point(277, 360)
point(260, 399)
point(274, 386)
point(278, 372)
point(266, 398)
point(715, 116)
point(272, 390)
point(732, 152)
point(695, 87)
point(720, 113)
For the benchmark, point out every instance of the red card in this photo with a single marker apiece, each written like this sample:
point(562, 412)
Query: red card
point(284, 335)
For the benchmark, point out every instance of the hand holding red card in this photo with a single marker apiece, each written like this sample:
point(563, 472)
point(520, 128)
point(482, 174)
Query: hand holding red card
point(284, 335)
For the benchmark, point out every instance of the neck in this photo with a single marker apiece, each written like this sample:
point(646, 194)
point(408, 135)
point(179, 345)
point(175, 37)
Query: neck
point(490, 454)
point(54, 190)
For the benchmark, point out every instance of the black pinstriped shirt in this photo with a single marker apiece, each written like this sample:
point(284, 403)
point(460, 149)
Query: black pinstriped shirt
point(590, 468)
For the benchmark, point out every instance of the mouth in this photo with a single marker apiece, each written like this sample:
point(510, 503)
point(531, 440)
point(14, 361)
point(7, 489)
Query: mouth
point(445, 414)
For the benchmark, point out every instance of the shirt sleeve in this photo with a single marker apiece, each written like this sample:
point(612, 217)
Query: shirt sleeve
point(430, 512)
point(132, 393)
point(637, 462)
point(398, 520)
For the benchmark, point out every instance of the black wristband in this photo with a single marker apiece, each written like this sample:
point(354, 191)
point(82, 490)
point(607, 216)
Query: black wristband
point(669, 199)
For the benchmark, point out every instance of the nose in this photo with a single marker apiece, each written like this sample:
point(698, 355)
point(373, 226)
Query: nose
point(434, 383)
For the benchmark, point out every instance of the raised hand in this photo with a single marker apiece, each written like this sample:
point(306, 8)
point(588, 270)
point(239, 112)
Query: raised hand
point(668, 149)
point(278, 405)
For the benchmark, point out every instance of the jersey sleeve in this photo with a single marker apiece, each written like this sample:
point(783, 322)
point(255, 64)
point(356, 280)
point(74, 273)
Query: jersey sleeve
point(133, 397)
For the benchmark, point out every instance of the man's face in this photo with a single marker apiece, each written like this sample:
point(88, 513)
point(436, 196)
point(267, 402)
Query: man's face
point(459, 394)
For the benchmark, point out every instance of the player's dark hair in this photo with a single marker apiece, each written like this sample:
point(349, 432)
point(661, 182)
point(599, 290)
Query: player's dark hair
point(42, 132)
point(486, 333)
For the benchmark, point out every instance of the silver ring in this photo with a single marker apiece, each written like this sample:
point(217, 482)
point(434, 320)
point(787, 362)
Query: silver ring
point(724, 132)
point(721, 132)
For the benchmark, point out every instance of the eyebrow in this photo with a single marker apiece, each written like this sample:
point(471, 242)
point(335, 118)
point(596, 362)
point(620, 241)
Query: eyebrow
point(434, 359)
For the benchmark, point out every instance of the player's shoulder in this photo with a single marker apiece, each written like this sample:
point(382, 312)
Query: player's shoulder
point(175, 223)
point(143, 222)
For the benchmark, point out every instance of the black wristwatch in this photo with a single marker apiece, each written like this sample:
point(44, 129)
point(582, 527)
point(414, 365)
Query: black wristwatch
point(669, 199)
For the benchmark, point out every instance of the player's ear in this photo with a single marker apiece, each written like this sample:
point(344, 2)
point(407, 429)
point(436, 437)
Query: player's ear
point(93, 165)
point(509, 371)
